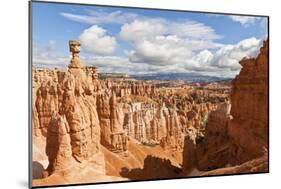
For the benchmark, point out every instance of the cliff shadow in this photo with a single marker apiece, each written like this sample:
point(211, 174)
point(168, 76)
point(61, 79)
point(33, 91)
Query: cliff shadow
point(37, 170)
point(153, 168)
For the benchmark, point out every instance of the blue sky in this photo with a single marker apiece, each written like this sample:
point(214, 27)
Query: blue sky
point(140, 41)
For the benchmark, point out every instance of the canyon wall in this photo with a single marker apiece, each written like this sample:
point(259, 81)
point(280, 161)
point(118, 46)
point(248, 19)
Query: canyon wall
point(248, 129)
point(239, 134)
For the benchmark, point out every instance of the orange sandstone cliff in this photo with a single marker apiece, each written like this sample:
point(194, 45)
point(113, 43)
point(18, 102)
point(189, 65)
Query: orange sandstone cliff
point(237, 134)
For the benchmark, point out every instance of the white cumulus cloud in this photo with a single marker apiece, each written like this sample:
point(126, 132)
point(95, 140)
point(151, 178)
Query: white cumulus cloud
point(160, 51)
point(139, 30)
point(95, 40)
point(229, 55)
point(161, 42)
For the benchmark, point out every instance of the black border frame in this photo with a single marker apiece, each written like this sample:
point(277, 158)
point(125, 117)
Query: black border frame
point(30, 63)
